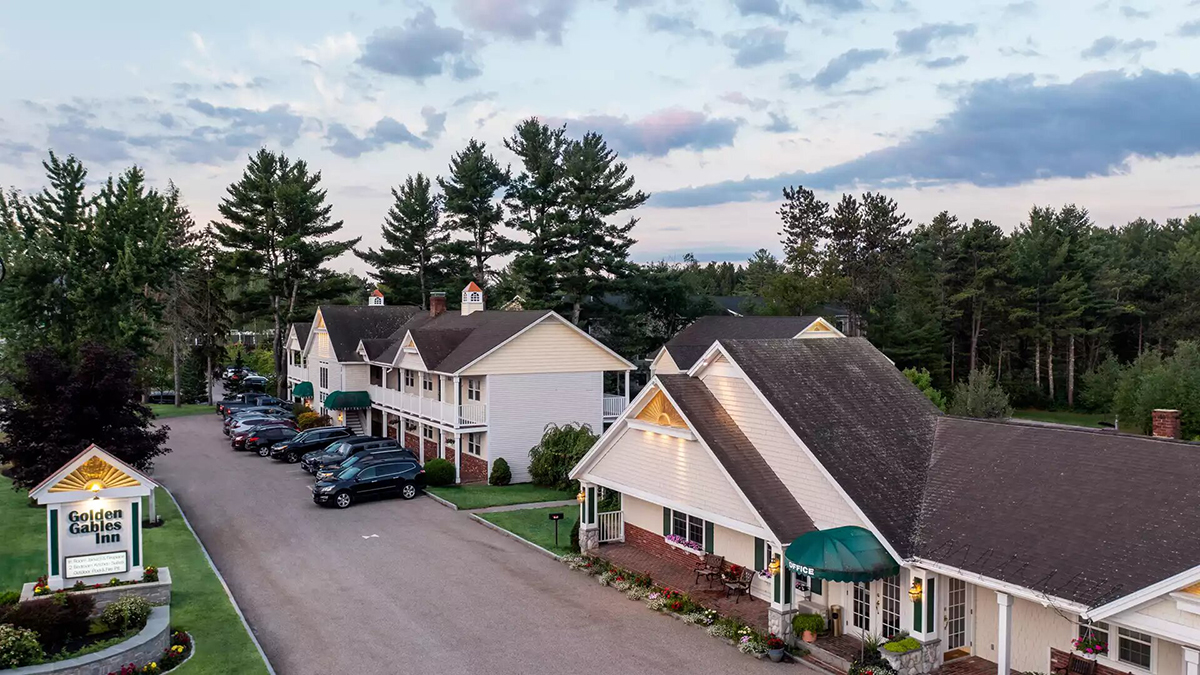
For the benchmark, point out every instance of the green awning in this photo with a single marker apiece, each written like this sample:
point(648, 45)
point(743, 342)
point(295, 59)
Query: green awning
point(840, 554)
point(302, 390)
point(347, 400)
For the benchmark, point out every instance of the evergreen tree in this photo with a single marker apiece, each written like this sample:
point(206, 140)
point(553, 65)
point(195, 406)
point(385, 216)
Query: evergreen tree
point(209, 317)
point(178, 310)
point(412, 258)
point(276, 224)
point(193, 385)
point(761, 269)
point(980, 397)
point(534, 200)
point(471, 210)
point(982, 269)
point(805, 229)
point(594, 250)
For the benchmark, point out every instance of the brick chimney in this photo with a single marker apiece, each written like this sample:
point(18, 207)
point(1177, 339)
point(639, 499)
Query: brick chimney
point(1166, 424)
point(437, 304)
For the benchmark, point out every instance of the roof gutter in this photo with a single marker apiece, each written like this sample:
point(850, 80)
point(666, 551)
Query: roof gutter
point(1014, 590)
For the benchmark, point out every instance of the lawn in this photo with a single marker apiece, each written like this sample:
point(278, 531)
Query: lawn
point(480, 496)
point(169, 410)
point(198, 601)
point(1091, 420)
point(535, 525)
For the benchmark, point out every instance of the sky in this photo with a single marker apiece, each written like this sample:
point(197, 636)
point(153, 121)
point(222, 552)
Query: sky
point(983, 109)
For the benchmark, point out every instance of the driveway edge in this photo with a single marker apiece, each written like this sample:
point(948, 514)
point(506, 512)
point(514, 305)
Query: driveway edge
point(514, 535)
point(450, 505)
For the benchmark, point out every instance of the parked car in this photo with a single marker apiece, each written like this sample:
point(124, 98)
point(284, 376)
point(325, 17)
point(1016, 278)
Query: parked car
point(259, 411)
point(237, 440)
point(339, 451)
point(260, 439)
point(241, 428)
point(161, 396)
point(308, 441)
point(253, 401)
point(371, 480)
point(257, 382)
point(329, 471)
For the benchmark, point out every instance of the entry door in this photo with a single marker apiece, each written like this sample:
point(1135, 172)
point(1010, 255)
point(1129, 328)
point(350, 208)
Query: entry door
point(860, 610)
point(957, 618)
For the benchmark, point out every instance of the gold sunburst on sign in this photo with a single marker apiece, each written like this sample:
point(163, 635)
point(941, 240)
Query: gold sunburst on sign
point(660, 411)
point(94, 474)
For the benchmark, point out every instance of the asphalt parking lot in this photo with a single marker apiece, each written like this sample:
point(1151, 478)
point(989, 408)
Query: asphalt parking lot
point(406, 586)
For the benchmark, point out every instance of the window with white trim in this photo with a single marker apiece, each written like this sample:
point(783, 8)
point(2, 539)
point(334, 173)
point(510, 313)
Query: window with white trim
point(861, 610)
point(1098, 630)
point(410, 425)
point(430, 433)
point(688, 527)
point(427, 382)
point(890, 614)
point(474, 444)
point(324, 378)
point(474, 389)
point(410, 381)
point(1134, 648)
point(323, 345)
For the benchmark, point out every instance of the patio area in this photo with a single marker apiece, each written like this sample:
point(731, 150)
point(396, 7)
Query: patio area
point(669, 573)
point(971, 665)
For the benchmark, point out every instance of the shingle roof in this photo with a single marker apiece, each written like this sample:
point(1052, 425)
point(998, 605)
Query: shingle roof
point(864, 421)
point(347, 324)
point(690, 343)
point(1084, 515)
point(754, 477)
point(302, 329)
point(376, 346)
point(451, 341)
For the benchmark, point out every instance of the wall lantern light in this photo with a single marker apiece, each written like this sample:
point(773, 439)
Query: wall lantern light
point(581, 497)
point(773, 568)
point(914, 591)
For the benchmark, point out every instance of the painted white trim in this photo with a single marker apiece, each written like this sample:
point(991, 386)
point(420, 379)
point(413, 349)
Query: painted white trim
point(1181, 580)
point(40, 493)
point(654, 363)
point(652, 428)
point(703, 361)
point(690, 509)
point(984, 581)
point(614, 430)
point(539, 320)
point(831, 327)
point(1159, 628)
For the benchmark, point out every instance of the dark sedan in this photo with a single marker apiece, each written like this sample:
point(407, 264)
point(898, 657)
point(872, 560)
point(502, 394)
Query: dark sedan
point(338, 452)
point(371, 480)
point(261, 439)
point(307, 441)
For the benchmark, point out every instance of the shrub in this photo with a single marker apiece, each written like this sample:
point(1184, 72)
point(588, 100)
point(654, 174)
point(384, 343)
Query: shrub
point(299, 408)
point(813, 623)
point(575, 536)
point(980, 396)
point(725, 628)
point(56, 620)
point(924, 381)
point(439, 472)
point(9, 598)
point(310, 420)
point(18, 647)
point(902, 646)
point(128, 612)
point(561, 448)
point(501, 474)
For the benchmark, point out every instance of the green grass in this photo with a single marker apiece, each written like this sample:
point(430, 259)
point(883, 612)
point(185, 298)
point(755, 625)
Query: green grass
point(198, 601)
point(1091, 420)
point(535, 525)
point(480, 496)
point(169, 410)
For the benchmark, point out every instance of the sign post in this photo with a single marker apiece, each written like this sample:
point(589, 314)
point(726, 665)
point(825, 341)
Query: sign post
point(556, 517)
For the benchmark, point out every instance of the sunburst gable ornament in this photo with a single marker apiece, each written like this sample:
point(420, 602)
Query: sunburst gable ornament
point(94, 475)
point(660, 411)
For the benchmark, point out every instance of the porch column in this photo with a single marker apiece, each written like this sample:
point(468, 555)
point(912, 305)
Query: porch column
point(458, 451)
point(589, 527)
point(627, 389)
point(923, 617)
point(1004, 634)
point(783, 606)
point(1191, 661)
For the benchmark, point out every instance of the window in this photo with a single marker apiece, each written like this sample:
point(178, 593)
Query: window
point(427, 382)
point(862, 607)
point(295, 358)
point(1134, 647)
point(474, 446)
point(410, 425)
point(474, 389)
point(368, 473)
point(376, 376)
point(409, 381)
point(323, 348)
point(891, 606)
point(688, 527)
point(388, 469)
point(430, 433)
point(324, 379)
point(1097, 630)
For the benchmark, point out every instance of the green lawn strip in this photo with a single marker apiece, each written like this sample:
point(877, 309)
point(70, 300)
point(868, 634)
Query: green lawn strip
point(535, 525)
point(481, 496)
point(1090, 420)
point(162, 410)
point(23, 531)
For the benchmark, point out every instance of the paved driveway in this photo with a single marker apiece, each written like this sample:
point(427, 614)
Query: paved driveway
point(407, 587)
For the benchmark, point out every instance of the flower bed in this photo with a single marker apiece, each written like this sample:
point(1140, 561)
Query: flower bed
point(149, 645)
point(155, 587)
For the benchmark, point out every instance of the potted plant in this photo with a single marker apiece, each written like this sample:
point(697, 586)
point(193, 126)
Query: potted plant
point(1090, 646)
point(774, 648)
point(808, 625)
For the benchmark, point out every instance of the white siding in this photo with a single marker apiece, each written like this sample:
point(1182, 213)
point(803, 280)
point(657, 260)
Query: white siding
point(643, 514)
point(520, 407)
point(1167, 610)
point(354, 377)
point(1035, 629)
point(551, 346)
point(664, 364)
point(411, 360)
point(677, 470)
point(803, 479)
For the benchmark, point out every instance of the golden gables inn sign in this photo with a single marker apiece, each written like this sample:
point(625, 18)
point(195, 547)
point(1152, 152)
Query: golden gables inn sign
point(93, 520)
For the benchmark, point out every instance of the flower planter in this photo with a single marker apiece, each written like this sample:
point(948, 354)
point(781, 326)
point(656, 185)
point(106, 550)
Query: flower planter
point(776, 655)
point(808, 636)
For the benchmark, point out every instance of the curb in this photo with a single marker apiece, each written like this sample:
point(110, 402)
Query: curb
point(562, 503)
point(450, 505)
point(518, 537)
point(228, 593)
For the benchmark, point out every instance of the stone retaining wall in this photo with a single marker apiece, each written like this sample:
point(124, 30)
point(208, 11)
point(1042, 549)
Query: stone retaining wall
point(155, 592)
point(927, 659)
point(146, 646)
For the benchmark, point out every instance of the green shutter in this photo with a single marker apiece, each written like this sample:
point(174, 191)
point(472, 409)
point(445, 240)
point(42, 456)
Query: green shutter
point(53, 542)
point(137, 530)
point(917, 622)
point(591, 506)
point(760, 552)
point(708, 537)
point(929, 595)
point(815, 585)
point(787, 586)
point(666, 521)
point(776, 582)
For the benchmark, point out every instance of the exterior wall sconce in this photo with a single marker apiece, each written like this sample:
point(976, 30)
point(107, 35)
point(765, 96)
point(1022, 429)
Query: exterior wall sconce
point(773, 568)
point(914, 591)
point(581, 497)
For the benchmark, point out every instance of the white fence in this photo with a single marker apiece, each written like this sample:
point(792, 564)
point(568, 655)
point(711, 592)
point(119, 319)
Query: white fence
point(613, 405)
point(612, 526)
point(467, 414)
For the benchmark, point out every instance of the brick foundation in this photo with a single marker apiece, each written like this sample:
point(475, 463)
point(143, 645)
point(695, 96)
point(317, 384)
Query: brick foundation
point(393, 432)
point(431, 450)
point(654, 543)
point(474, 469)
point(1058, 661)
point(450, 454)
point(411, 442)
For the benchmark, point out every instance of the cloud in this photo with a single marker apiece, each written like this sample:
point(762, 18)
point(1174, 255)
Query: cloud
point(15, 152)
point(1009, 132)
point(1189, 29)
point(676, 24)
point(738, 98)
point(435, 122)
point(1025, 8)
point(278, 121)
point(1134, 13)
point(198, 43)
point(419, 49)
point(330, 48)
point(769, 8)
point(167, 120)
point(660, 132)
point(779, 123)
point(840, 67)
point(1113, 46)
point(386, 131)
point(919, 40)
point(519, 20)
point(839, 6)
point(946, 62)
point(78, 137)
point(757, 46)
point(474, 97)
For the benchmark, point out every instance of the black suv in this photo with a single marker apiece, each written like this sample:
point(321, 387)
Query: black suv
point(260, 439)
point(328, 471)
point(338, 452)
point(307, 441)
point(368, 480)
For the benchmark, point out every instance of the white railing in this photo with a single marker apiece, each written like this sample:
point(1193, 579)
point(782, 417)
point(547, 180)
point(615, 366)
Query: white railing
point(613, 405)
point(467, 414)
point(612, 526)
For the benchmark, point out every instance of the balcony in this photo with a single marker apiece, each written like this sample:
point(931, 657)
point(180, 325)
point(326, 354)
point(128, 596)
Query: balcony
point(463, 415)
point(614, 404)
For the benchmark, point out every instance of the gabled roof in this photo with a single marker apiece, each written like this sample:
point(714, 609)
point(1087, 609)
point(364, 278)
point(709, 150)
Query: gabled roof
point(775, 504)
point(1084, 515)
point(373, 348)
point(690, 343)
point(93, 472)
point(302, 329)
point(866, 424)
point(348, 324)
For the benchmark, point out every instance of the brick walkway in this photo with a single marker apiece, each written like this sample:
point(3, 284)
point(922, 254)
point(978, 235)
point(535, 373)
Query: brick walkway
point(667, 573)
point(971, 665)
point(843, 646)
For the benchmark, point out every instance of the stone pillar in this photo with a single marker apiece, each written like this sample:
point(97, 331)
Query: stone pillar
point(1004, 634)
point(589, 526)
point(783, 606)
point(1191, 661)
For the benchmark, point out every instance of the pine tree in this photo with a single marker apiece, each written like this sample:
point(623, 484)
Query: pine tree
point(470, 207)
point(209, 317)
point(276, 223)
point(805, 229)
point(982, 270)
point(178, 309)
point(534, 200)
point(414, 243)
point(598, 188)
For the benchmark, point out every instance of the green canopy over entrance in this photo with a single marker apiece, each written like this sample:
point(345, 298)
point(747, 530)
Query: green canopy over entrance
point(840, 554)
point(347, 400)
point(302, 390)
